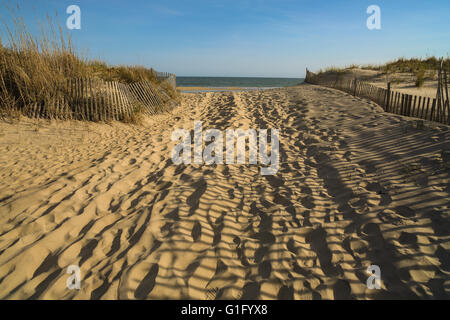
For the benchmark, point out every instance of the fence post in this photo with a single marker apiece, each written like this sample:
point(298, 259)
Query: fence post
point(439, 92)
point(388, 97)
point(433, 107)
point(402, 107)
point(408, 106)
point(447, 103)
point(356, 83)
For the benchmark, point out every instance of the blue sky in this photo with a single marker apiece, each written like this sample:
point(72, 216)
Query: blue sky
point(277, 38)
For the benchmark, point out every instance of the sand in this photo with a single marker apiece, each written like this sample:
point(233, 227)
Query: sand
point(356, 187)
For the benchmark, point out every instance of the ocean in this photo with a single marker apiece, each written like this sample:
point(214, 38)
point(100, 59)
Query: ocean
point(221, 83)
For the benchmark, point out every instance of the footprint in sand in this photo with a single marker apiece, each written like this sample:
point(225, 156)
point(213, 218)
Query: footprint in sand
point(148, 283)
point(317, 238)
point(381, 191)
point(286, 293)
point(342, 290)
point(405, 211)
point(265, 269)
point(407, 238)
point(196, 231)
point(87, 251)
point(308, 202)
point(251, 291)
point(194, 199)
point(217, 230)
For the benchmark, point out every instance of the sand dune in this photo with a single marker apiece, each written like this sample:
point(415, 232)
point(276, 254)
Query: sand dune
point(356, 187)
point(404, 82)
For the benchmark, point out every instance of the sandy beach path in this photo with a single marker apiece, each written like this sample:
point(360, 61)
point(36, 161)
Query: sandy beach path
point(355, 187)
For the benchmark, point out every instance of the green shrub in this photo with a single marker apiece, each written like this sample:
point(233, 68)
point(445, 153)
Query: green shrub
point(420, 77)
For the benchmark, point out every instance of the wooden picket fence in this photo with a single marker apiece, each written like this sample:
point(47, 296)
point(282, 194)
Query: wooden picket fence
point(98, 100)
point(169, 77)
point(427, 108)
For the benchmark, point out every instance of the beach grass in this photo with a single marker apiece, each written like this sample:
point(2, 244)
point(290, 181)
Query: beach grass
point(35, 66)
point(400, 65)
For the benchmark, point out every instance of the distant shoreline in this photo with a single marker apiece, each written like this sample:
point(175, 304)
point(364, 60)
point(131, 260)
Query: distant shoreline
point(235, 83)
point(220, 89)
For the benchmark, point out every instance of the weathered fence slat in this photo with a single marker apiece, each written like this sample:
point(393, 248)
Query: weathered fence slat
point(118, 103)
point(396, 103)
point(97, 100)
point(141, 92)
point(433, 106)
point(110, 96)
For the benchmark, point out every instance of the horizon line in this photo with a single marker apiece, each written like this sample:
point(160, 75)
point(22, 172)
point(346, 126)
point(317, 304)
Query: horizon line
point(262, 77)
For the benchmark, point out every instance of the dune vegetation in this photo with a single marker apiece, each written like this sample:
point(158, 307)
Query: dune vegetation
point(421, 69)
point(34, 66)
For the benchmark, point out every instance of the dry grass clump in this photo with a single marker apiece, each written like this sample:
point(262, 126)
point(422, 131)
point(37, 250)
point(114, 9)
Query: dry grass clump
point(35, 67)
point(352, 66)
point(137, 115)
point(421, 69)
point(333, 70)
point(411, 65)
point(401, 65)
point(167, 87)
point(420, 77)
point(125, 74)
